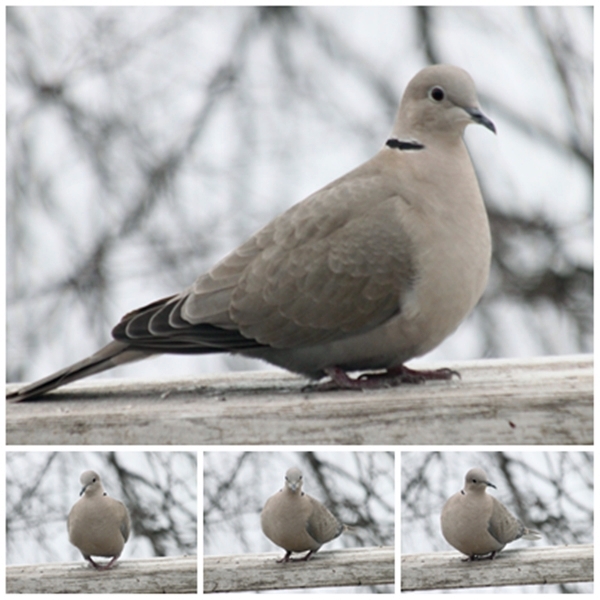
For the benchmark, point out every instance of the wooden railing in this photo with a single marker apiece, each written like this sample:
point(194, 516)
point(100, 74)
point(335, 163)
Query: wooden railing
point(541, 566)
point(335, 568)
point(172, 575)
point(546, 401)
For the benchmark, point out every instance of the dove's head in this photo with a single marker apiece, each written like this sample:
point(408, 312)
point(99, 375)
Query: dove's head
point(476, 481)
point(293, 479)
point(90, 480)
point(440, 100)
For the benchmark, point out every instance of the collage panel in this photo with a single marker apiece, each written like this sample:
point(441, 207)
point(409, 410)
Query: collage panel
point(243, 188)
point(75, 516)
point(466, 515)
point(321, 521)
point(175, 187)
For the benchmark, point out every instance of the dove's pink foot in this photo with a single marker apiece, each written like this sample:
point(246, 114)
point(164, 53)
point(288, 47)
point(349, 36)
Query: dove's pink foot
point(102, 567)
point(390, 378)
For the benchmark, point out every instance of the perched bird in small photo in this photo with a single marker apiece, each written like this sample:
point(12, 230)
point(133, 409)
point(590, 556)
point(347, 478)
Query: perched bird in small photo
point(374, 269)
point(98, 524)
point(477, 524)
point(296, 521)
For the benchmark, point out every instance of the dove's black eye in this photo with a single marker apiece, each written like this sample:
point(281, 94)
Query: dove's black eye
point(437, 93)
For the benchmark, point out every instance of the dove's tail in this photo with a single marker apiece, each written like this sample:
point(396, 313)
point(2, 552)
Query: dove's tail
point(531, 534)
point(112, 355)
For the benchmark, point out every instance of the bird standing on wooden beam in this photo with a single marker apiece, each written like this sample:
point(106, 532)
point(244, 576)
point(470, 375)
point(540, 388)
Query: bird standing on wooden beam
point(374, 269)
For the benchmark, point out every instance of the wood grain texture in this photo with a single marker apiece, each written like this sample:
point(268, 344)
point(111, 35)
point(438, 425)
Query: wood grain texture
point(175, 575)
point(539, 566)
point(518, 401)
point(252, 572)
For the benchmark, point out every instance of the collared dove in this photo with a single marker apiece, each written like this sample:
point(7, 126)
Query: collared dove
point(98, 525)
point(477, 524)
point(374, 269)
point(296, 521)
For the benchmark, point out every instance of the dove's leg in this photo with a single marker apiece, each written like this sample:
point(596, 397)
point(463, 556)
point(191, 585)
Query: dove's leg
point(306, 556)
point(92, 562)
point(390, 378)
point(111, 563)
point(101, 567)
point(489, 556)
point(285, 558)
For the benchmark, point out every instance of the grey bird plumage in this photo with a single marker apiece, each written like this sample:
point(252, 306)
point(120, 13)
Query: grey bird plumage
point(478, 524)
point(296, 521)
point(376, 268)
point(98, 524)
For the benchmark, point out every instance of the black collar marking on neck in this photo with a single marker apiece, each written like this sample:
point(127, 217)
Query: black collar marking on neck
point(401, 145)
